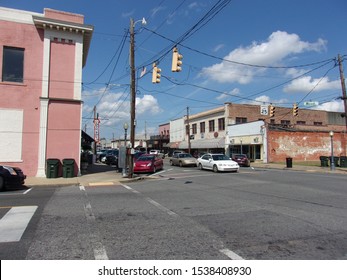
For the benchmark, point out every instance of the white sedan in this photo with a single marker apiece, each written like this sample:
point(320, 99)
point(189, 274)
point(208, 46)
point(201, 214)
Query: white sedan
point(217, 162)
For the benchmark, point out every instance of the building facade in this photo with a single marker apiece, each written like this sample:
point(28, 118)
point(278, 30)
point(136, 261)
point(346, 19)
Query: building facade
point(41, 61)
point(252, 130)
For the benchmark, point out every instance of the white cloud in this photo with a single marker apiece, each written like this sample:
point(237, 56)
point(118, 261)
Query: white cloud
point(234, 92)
point(332, 106)
point(279, 45)
point(307, 83)
point(218, 47)
point(266, 100)
point(147, 104)
point(156, 10)
point(113, 109)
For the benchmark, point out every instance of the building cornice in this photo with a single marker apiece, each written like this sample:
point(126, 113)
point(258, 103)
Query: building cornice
point(63, 26)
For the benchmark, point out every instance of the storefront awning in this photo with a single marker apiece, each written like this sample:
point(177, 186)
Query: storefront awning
point(204, 143)
point(173, 145)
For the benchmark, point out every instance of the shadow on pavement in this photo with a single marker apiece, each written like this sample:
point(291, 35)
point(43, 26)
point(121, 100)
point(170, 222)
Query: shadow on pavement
point(99, 168)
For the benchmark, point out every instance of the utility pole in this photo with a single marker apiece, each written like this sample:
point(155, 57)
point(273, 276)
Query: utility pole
point(96, 129)
point(188, 130)
point(343, 86)
point(146, 135)
point(133, 95)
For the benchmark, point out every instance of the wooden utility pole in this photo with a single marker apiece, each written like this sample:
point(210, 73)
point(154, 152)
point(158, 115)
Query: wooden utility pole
point(188, 130)
point(343, 86)
point(133, 95)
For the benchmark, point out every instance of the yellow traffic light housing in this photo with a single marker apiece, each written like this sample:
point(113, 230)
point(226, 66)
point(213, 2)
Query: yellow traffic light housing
point(156, 74)
point(272, 111)
point(295, 110)
point(176, 60)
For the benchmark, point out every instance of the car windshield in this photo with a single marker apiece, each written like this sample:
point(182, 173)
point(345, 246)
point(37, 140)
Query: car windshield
point(145, 158)
point(220, 157)
point(185, 155)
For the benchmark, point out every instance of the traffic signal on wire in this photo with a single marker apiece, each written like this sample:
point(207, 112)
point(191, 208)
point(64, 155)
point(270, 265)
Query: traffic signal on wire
point(272, 111)
point(295, 109)
point(156, 74)
point(176, 60)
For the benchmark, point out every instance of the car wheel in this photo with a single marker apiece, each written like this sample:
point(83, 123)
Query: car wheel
point(171, 163)
point(154, 169)
point(215, 168)
point(200, 166)
point(2, 184)
point(181, 164)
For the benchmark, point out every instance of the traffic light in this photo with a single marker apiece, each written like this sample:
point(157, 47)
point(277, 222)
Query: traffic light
point(156, 74)
point(272, 111)
point(176, 60)
point(295, 109)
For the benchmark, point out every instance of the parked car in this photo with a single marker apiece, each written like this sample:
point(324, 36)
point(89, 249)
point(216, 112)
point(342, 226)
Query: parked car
point(183, 159)
point(157, 152)
point(11, 177)
point(148, 163)
point(138, 154)
point(217, 162)
point(177, 152)
point(241, 159)
point(112, 157)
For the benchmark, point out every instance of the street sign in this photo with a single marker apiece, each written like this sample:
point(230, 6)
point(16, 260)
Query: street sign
point(264, 110)
point(311, 103)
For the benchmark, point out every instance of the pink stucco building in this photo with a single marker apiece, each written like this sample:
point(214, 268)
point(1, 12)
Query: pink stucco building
point(41, 61)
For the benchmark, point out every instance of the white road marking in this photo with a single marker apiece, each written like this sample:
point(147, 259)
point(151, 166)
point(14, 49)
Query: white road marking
point(161, 207)
point(14, 223)
point(230, 254)
point(98, 248)
point(153, 202)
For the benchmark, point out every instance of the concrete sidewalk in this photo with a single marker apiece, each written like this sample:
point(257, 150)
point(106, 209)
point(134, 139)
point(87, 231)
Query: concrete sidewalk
point(96, 174)
point(101, 174)
point(298, 167)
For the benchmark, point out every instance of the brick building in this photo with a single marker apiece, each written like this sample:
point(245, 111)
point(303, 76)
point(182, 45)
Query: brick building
point(235, 128)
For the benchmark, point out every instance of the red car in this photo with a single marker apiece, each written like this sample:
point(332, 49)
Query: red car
point(148, 164)
point(241, 159)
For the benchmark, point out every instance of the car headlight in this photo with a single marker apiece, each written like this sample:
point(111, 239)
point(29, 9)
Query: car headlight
point(10, 170)
point(149, 164)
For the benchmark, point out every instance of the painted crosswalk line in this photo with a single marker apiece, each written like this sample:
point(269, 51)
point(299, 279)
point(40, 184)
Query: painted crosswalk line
point(14, 223)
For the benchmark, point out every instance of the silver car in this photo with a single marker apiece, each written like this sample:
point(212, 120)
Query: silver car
point(183, 159)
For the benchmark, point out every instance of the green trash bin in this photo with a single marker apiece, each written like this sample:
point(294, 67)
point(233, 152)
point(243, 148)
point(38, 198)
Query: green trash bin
point(68, 167)
point(336, 161)
point(343, 161)
point(324, 161)
point(52, 168)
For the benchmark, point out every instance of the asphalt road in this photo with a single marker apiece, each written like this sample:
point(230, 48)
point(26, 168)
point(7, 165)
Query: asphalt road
point(185, 213)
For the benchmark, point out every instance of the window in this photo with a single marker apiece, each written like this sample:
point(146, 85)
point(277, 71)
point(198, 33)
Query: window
point(202, 127)
point(12, 65)
point(194, 128)
point(285, 122)
point(301, 122)
point(221, 124)
point(318, 123)
point(211, 126)
point(241, 120)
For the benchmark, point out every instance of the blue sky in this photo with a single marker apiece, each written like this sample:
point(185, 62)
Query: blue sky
point(295, 40)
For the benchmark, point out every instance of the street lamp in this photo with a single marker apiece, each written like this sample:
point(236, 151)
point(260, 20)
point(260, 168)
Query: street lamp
point(125, 126)
point(241, 145)
point(133, 89)
point(332, 162)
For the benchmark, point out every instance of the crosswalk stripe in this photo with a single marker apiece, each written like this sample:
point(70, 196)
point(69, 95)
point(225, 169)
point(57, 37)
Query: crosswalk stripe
point(14, 223)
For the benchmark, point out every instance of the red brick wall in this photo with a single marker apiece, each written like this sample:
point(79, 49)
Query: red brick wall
point(303, 146)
